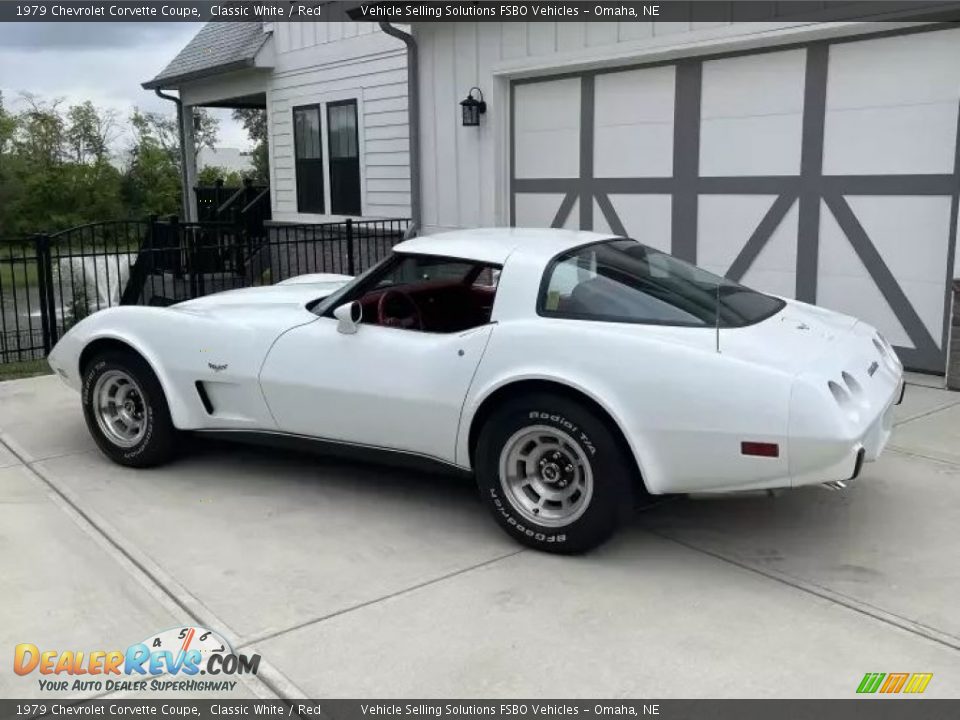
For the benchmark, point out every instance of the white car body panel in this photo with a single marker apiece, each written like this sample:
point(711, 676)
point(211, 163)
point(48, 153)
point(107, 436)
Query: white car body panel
point(271, 365)
point(383, 386)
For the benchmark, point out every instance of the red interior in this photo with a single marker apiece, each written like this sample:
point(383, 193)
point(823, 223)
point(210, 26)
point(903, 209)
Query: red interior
point(445, 305)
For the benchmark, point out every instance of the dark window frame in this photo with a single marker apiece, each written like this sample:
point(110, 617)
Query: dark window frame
point(547, 276)
point(320, 208)
point(330, 157)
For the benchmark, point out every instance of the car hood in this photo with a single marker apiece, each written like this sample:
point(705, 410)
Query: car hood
point(296, 294)
point(793, 339)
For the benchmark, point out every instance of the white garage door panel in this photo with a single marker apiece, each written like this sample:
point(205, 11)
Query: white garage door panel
point(539, 209)
point(754, 85)
point(902, 70)
point(752, 114)
point(633, 123)
point(897, 140)
point(774, 270)
point(548, 153)
point(726, 222)
point(547, 129)
point(892, 105)
point(761, 145)
point(645, 218)
point(912, 236)
point(634, 151)
point(845, 285)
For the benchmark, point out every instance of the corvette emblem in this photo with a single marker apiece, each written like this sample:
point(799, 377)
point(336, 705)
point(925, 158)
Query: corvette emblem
point(217, 368)
point(803, 326)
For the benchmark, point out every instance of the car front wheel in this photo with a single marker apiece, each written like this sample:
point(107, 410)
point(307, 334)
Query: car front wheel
point(126, 410)
point(553, 474)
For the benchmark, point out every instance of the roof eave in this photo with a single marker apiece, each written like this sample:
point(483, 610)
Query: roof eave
point(175, 81)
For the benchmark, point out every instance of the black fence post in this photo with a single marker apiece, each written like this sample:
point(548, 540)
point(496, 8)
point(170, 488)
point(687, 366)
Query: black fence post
point(217, 199)
point(350, 261)
point(142, 266)
point(41, 246)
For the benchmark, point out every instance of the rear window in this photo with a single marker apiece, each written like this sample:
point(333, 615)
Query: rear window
point(624, 281)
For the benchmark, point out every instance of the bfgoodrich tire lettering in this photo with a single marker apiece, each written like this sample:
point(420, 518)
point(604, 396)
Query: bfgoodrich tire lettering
point(139, 434)
point(552, 474)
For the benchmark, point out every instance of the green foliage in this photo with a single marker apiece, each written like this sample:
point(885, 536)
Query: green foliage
point(59, 166)
point(28, 368)
point(254, 121)
point(211, 173)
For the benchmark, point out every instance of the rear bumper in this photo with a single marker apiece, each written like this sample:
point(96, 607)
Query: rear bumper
point(842, 457)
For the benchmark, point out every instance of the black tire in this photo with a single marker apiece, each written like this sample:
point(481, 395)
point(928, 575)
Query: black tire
point(157, 442)
point(608, 503)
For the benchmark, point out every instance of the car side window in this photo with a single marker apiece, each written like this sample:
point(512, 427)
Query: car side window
point(624, 281)
point(430, 294)
point(417, 268)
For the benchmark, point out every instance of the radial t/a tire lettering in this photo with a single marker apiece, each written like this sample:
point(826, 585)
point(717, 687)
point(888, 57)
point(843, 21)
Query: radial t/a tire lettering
point(552, 474)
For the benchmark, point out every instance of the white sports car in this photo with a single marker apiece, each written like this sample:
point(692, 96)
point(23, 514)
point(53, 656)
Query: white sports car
point(570, 372)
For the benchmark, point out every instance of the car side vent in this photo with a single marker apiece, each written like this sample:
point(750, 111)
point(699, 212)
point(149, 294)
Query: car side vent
point(204, 398)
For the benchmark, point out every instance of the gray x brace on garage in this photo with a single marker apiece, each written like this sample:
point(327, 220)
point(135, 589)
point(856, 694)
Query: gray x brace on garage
point(810, 160)
point(878, 244)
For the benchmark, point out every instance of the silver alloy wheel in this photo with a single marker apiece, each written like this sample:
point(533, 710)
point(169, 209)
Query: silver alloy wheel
point(119, 408)
point(546, 476)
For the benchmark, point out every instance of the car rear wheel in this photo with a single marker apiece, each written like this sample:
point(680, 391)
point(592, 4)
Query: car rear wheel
point(126, 410)
point(553, 474)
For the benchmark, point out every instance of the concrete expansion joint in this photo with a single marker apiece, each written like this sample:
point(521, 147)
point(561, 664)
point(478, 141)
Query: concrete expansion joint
point(884, 616)
point(270, 683)
point(271, 634)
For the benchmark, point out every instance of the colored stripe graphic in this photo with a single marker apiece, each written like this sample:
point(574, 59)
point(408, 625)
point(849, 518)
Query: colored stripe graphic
point(870, 682)
point(918, 682)
point(894, 682)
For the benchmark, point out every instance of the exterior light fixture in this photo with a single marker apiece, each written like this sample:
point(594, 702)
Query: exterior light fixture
point(473, 108)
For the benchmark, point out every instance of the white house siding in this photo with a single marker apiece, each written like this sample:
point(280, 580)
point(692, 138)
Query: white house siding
point(328, 61)
point(880, 247)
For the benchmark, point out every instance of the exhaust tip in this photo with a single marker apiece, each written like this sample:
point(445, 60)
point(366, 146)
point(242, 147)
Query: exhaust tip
point(835, 485)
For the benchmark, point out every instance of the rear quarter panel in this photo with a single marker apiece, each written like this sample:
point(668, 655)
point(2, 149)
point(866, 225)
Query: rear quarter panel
point(683, 407)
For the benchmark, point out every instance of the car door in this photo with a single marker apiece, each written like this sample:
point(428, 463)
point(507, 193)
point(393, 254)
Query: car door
point(381, 386)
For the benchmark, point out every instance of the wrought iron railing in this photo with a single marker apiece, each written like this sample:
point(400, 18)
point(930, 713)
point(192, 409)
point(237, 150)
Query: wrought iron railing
point(50, 282)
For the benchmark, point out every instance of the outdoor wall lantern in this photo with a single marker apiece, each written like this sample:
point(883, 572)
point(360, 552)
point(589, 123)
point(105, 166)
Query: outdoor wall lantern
point(473, 108)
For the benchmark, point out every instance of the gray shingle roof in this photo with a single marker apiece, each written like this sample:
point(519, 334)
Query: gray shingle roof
point(218, 47)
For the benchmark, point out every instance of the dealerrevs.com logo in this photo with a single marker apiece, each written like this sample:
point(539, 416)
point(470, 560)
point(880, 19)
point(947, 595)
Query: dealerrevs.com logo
point(171, 661)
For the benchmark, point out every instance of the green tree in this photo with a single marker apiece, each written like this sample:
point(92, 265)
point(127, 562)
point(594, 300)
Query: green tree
point(209, 175)
point(8, 128)
point(40, 138)
point(151, 183)
point(89, 132)
point(254, 121)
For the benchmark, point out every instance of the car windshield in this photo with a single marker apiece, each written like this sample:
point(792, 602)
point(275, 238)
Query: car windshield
point(625, 281)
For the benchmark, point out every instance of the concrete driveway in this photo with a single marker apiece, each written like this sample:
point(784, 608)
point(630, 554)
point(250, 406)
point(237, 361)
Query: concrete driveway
point(359, 581)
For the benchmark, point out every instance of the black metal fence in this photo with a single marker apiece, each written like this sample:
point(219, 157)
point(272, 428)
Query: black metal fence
point(50, 282)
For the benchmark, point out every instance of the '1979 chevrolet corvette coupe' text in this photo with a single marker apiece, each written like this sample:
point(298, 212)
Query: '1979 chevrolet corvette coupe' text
point(569, 371)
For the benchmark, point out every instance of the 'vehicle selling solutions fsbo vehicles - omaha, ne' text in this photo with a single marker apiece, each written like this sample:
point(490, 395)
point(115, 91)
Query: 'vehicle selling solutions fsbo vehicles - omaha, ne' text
point(571, 372)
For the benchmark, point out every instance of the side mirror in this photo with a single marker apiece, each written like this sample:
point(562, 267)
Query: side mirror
point(348, 317)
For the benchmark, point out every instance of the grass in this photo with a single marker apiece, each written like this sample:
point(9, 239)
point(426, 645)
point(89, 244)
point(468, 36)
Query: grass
point(25, 369)
point(18, 274)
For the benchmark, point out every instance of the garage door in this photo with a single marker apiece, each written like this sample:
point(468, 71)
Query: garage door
point(827, 173)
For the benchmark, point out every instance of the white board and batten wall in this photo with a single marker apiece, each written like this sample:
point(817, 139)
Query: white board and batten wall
point(887, 111)
point(322, 62)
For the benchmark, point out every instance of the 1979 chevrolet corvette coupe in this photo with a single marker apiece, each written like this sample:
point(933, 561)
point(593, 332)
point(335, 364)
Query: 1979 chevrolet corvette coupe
point(569, 371)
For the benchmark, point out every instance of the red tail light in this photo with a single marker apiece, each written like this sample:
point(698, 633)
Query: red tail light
point(760, 449)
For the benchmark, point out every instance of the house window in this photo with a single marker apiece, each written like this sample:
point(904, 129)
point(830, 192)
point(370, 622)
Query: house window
point(344, 158)
point(309, 159)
